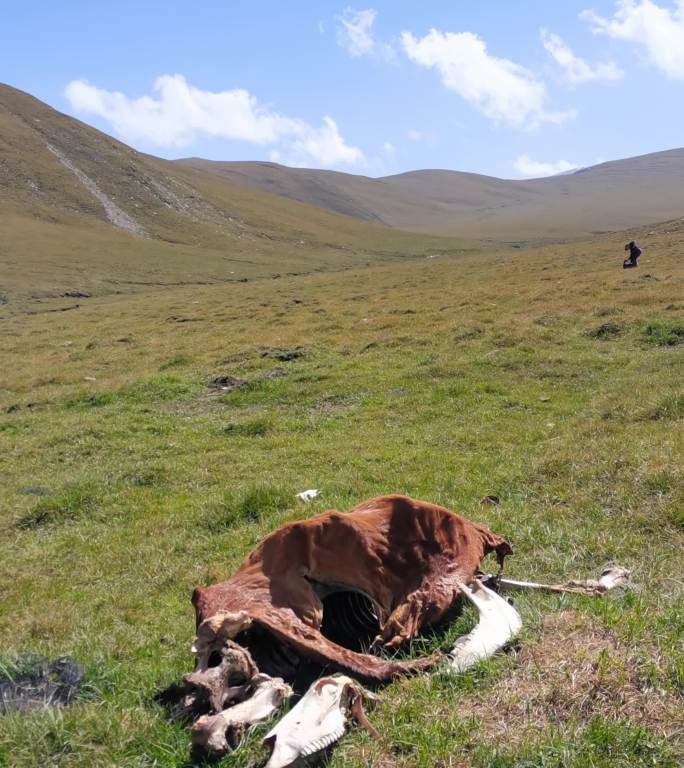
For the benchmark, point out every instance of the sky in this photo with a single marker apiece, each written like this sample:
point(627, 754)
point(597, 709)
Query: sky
point(508, 88)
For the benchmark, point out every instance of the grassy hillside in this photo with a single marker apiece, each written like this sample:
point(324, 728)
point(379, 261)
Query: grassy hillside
point(79, 211)
point(607, 197)
point(549, 377)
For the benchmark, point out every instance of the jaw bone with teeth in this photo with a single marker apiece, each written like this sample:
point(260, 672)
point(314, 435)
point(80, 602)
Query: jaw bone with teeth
point(317, 721)
point(224, 731)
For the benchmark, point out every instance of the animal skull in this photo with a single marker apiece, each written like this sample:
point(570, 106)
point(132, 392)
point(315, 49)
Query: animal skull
point(316, 722)
point(223, 669)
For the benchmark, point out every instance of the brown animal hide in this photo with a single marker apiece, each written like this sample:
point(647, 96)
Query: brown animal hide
point(407, 558)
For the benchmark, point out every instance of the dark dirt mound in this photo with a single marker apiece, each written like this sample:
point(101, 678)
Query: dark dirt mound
point(33, 681)
point(284, 355)
point(606, 331)
point(226, 383)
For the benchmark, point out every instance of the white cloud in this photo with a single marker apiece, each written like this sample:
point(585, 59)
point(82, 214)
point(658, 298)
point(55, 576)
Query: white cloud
point(389, 150)
point(324, 146)
point(179, 113)
point(658, 30)
point(415, 135)
point(355, 31)
point(532, 168)
point(501, 89)
point(575, 69)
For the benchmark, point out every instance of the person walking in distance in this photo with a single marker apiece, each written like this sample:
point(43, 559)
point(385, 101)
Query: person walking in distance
point(634, 253)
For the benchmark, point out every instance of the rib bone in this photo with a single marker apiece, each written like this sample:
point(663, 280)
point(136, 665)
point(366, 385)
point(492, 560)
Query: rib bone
point(221, 733)
point(498, 623)
point(316, 722)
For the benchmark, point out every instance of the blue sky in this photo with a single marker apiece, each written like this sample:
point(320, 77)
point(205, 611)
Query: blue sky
point(508, 88)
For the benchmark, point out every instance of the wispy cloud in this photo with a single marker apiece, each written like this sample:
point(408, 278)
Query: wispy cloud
point(178, 113)
point(499, 88)
point(576, 70)
point(657, 30)
point(355, 34)
point(355, 31)
point(526, 166)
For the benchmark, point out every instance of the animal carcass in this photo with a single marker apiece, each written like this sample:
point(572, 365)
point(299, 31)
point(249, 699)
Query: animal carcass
point(389, 567)
point(330, 592)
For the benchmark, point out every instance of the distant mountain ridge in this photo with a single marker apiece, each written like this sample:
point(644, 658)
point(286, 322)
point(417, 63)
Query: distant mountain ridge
point(611, 196)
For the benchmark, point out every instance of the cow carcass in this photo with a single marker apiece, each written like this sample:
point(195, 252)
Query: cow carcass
point(390, 566)
point(337, 593)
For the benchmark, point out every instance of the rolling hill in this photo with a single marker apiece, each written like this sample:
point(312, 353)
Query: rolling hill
point(607, 197)
point(82, 211)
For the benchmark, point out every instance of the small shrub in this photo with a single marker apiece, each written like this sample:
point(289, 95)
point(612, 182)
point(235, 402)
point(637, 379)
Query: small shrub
point(74, 502)
point(664, 333)
point(249, 506)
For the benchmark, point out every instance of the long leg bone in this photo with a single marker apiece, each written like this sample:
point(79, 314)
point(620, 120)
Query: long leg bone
point(611, 577)
point(221, 733)
point(317, 721)
point(498, 623)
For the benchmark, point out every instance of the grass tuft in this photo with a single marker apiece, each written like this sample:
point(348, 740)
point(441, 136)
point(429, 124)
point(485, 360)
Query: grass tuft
point(258, 427)
point(177, 361)
point(74, 502)
point(249, 506)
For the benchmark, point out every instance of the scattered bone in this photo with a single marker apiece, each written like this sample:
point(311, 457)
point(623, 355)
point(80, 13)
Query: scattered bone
point(309, 495)
point(612, 576)
point(221, 733)
point(491, 499)
point(316, 722)
point(497, 625)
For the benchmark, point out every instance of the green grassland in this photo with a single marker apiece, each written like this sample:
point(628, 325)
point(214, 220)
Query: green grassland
point(547, 376)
